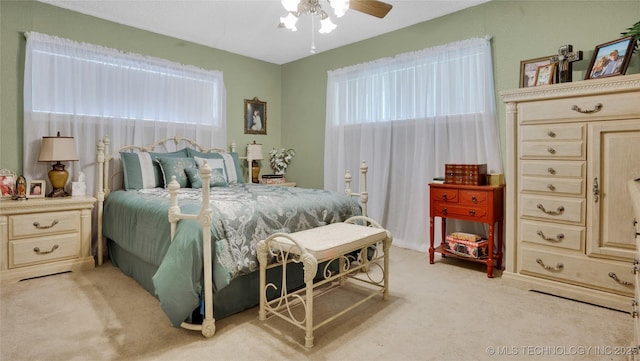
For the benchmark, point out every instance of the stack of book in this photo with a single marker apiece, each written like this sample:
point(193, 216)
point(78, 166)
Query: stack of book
point(467, 245)
point(272, 179)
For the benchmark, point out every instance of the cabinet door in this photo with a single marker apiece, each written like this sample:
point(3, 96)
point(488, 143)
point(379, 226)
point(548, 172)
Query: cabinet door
point(613, 159)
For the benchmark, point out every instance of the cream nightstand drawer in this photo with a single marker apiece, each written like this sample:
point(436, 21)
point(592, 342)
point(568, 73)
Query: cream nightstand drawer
point(605, 275)
point(551, 149)
point(568, 186)
point(28, 252)
point(553, 132)
point(30, 225)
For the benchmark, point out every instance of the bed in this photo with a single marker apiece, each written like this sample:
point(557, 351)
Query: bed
point(192, 245)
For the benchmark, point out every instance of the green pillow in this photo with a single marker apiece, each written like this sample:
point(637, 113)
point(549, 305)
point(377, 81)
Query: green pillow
point(175, 167)
point(217, 178)
point(141, 171)
point(231, 163)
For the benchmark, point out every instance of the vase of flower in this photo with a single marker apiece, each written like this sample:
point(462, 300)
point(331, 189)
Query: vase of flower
point(279, 159)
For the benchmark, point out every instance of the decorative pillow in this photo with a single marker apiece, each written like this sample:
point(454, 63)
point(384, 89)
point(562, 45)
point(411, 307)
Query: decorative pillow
point(141, 171)
point(231, 163)
point(217, 178)
point(176, 167)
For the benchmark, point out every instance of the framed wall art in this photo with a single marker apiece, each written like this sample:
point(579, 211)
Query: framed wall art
point(546, 74)
point(36, 188)
point(7, 183)
point(611, 59)
point(529, 69)
point(255, 116)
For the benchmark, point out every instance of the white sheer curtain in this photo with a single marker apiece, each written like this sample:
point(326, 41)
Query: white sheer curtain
point(408, 116)
point(88, 92)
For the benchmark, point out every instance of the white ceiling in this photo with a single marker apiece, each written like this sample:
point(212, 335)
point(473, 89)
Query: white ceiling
point(249, 27)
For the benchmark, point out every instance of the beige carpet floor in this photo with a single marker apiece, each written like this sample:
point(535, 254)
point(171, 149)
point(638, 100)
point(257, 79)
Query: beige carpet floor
point(446, 311)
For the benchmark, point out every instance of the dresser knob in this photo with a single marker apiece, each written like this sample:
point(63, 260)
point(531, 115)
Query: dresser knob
point(444, 211)
point(551, 171)
point(558, 238)
point(615, 278)
point(558, 267)
point(38, 226)
point(551, 134)
point(444, 196)
point(551, 187)
point(558, 212)
point(37, 250)
point(474, 199)
point(551, 150)
point(472, 212)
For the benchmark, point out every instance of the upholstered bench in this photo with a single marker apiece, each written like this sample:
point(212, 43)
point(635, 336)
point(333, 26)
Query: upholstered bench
point(346, 249)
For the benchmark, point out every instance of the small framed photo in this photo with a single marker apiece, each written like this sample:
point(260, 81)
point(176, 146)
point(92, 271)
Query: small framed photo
point(529, 69)
point(546, 74)
point(255, 116)
point(611, 59)
point(36, 188)
point(7, 183)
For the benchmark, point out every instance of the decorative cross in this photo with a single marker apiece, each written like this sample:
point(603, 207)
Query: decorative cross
point(565, 57)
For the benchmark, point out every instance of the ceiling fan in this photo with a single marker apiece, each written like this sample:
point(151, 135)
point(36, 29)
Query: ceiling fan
point(375, 8)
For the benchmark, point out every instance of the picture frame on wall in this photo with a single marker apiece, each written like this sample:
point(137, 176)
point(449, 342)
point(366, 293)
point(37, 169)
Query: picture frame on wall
point(7, 183)
point(529, 69)
point(255, 116)
point(611, 58)
point(546, 74)
point(36, 188)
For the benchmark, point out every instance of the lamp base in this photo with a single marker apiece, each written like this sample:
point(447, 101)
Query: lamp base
point(255, 171)
point(58, 177)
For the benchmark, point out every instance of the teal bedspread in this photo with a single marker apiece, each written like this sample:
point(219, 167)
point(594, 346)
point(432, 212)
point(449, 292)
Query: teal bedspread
point(243, 214)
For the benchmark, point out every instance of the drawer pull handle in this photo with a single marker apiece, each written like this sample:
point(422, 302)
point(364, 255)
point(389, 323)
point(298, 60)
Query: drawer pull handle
point(551, 171)
point(551, 134)
point(596, 190)
point(551, 187)
point(551, 150)
point(38, 226)
point(636, 266)
point(551, 213)
point(37, 250)
point(615, 278)
point(596, 109)
point(444, 196)
point(472, 212)
point(444, 211)
point(474, 199)
point(558, 238)
point(558, 267)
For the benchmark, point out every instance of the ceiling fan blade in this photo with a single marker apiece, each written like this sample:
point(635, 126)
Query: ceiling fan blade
point(375, 8)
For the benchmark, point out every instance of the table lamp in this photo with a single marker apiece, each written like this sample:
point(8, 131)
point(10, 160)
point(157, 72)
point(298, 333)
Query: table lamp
point(254, 154)
point(58, 149)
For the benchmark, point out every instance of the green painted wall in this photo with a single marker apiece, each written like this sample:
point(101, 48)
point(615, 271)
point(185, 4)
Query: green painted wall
point(296, 92)
point(519, 29)
point(244, 77)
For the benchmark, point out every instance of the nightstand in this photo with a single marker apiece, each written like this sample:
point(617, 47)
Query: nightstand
point(43, 236)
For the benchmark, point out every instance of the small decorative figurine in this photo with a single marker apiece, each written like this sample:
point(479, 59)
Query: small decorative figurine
point(21, 188)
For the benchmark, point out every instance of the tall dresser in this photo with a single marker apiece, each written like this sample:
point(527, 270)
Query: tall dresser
point(571, 148)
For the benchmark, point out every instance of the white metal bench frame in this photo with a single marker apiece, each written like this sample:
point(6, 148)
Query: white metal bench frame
point(353, 263)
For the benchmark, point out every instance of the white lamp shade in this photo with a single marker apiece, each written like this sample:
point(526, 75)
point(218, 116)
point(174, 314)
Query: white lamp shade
point(54, 149)
point(254, 151)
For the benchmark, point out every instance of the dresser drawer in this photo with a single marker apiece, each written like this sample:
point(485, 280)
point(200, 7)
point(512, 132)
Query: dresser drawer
point(36, 224)
point(580, 270)
point(448, 210)
point(558, 209)
point(568, 186)
point(553, 132)
point(448, 195)
point(553, 149)
point(31, 251)
point(553, 168)
point(619, 104)
point(553, 234)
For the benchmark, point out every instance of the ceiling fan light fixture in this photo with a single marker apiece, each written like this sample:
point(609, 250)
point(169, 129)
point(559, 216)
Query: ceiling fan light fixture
point(290, 5)
point(289, 22)
point(326, 26)
point(340, 7)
